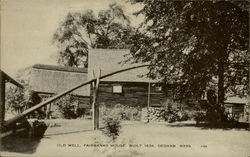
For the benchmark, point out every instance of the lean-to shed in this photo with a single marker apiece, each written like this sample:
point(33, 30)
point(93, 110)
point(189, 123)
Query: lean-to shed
point(49, 79)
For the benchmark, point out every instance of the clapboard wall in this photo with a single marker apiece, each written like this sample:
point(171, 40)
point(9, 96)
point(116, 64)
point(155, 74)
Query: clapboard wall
point(133, 94)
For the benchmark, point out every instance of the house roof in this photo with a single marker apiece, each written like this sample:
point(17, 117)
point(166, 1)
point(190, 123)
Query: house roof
point(237, 100)
point(60, 68)
point(110, 60)
point(56, 79)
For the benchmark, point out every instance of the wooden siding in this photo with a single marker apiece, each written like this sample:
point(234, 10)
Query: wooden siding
point(133, 94)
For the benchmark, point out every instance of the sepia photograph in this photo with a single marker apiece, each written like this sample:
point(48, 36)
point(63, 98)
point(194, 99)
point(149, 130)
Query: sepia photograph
point(124, 78)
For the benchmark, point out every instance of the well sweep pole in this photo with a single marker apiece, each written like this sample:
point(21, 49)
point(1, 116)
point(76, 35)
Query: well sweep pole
point(26, 112)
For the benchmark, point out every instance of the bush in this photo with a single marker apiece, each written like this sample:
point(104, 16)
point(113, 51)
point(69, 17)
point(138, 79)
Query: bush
point(15, 99)
point(183, 116)
point(123, 111)
point(173, 112)
point(172, 118)
point(32, 98)
point(66, 106)
point(199, 117)
point(18, 99)
point(214, 115)
point(39, 129)
point(214, 120)
point(112, 126)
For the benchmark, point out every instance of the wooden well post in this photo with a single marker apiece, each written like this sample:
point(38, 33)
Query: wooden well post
point(95, 105)
point(48, 111)
point(2, 100)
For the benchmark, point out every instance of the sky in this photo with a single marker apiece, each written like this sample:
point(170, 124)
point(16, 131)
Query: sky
point(27, 27)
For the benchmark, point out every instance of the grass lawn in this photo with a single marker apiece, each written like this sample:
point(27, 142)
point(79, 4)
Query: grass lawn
point(76, 138)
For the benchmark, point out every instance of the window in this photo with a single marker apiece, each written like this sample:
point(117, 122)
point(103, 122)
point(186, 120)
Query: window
point(158, 88)
point(117, 89)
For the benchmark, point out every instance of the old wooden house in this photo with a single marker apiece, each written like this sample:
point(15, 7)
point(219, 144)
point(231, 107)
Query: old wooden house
point(131, 88)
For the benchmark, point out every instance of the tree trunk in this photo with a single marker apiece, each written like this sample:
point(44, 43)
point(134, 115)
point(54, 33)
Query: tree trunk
point(221, 90)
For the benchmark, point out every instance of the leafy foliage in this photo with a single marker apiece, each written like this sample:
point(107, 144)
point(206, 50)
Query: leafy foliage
point(214, 114)
point(109, 29)
point(199, 117)
point(172, 112)
point(18, 99)
point(15, 99)
point(112, 125)
point(195, 43)
point(123, 111)
point(67, 106)
point(39, 129)
point(31, 98)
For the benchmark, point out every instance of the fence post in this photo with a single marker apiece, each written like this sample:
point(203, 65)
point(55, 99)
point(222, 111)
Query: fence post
point(95, 105)
point(148, 104)
point(2, 100)
point(93, 84)
point(48, 111)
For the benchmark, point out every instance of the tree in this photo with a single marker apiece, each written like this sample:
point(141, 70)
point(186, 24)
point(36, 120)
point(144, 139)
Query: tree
point(19, 99)
point(67, 107)
point(195, 44)
point(32, 98)
point(109, 29)
point(15, 99)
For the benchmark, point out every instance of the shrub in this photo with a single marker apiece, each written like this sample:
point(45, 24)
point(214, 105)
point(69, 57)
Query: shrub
point(199, 117)
point(39, 129)
point(18, 99)
point(32, 98)
point(214, 114)
point(112, 126)
point(183, 116)
point(66, 106)
point(80, 112)
point(15, 99)
point(172, 112)
point(172, 118)
point(123, 111)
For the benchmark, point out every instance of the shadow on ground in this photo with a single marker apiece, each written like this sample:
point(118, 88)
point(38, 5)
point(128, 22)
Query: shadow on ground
point(65, 133)
point(245, 126)
point(19, 144)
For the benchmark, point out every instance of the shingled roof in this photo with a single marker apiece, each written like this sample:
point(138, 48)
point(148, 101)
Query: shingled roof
point(110, 60)
point(60, 68)
point(56, 79)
